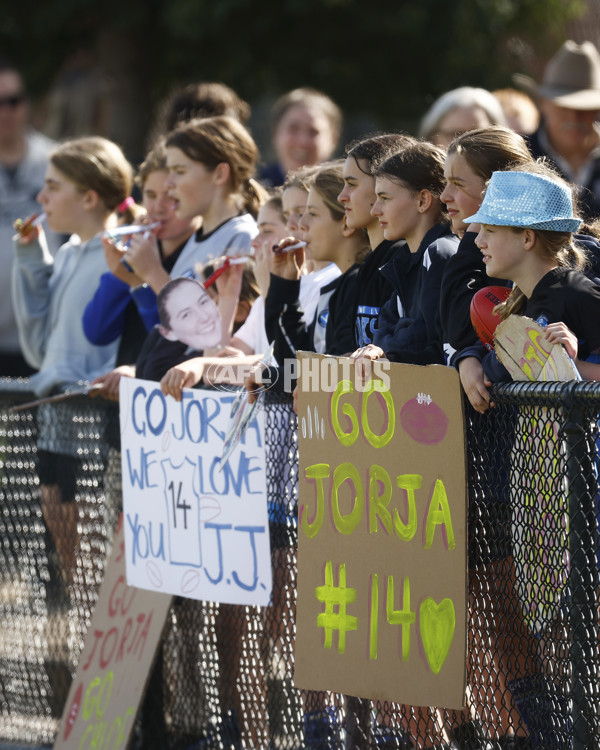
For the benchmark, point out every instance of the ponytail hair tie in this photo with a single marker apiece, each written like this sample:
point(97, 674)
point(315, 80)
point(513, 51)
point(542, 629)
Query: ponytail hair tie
point(127, 203)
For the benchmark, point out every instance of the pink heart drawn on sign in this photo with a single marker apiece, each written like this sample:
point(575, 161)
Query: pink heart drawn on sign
point(436, 623)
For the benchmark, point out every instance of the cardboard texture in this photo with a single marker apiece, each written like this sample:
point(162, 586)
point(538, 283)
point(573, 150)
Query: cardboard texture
point(527, 355)
point(382, 508)
point(115, 663)
point(194, 526)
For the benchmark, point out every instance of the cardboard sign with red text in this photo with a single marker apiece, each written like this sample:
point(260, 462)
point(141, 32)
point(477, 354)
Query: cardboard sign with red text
point(382, 566)
point(115, 662)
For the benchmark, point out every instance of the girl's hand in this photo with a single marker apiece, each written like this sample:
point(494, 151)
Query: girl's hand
point(26, 230)
point(143, 255)
point(559, 333)
point(113, 254)
point(229, 283)
point(475, 384)
point(185, 375)
point(110, 381)
point(228, 351)
point(363, 357)
point(254, 382)
point(263, 257)
point(288, 265)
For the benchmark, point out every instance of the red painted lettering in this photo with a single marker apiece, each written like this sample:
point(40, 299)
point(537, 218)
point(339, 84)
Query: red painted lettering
point(126, 630)
point(144, 635)
point(97, 635)
point(113, 634)
point(140, 620)
point(120, 602)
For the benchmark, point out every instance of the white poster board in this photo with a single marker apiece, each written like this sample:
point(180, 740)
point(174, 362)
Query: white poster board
point(192, 527)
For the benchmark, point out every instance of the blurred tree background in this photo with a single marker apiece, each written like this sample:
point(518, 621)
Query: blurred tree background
point(383, 61)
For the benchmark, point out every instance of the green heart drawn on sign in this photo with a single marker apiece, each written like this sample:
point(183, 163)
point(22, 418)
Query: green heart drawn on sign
point(436, 623)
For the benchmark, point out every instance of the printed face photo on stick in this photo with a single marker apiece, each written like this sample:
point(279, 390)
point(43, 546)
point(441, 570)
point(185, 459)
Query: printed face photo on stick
point(188, 314)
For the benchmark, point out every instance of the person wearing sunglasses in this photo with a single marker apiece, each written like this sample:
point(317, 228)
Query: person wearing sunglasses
point(23, 161)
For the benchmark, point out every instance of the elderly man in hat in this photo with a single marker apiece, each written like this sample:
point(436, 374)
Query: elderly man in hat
point(570, 104)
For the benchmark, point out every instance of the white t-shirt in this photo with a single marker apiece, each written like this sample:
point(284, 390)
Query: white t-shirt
point(252, 331)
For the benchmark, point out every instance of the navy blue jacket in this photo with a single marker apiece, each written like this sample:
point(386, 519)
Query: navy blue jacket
point(373, 290)
point(409, 326)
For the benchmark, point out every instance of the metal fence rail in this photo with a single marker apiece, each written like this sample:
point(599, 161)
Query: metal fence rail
point(223, 678)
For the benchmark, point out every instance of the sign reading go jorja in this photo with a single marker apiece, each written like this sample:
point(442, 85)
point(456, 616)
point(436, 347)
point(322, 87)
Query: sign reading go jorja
point(382, 544)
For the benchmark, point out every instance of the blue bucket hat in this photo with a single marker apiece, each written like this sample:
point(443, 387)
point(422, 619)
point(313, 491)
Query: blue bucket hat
point(524, 199)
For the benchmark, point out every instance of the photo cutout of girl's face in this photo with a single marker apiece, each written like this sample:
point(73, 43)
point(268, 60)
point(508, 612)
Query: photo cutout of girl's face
point(188, 314)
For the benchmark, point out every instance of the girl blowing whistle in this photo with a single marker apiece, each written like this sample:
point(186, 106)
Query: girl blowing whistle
point(86, 181)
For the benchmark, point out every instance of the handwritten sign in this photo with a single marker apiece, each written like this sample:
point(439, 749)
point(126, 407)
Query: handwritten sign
point(382, 543)
point(539, 520)
point(113, 668)
point(193, 526)
point(527, 355)
point(539, 523)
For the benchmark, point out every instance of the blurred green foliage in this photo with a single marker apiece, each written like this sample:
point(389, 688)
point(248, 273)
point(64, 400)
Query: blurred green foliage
point(389, 58)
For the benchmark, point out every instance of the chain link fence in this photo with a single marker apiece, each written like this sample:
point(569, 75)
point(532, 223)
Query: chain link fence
point(223, 677)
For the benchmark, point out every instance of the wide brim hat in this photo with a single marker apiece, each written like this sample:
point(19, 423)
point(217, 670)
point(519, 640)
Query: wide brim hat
point(526, 200)
point(571, 78)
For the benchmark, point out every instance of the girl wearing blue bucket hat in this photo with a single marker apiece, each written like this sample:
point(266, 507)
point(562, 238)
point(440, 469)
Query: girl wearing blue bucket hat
point(526, 236)
point(528, 221)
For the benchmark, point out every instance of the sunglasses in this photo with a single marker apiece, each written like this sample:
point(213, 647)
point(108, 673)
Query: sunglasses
point(12, 101)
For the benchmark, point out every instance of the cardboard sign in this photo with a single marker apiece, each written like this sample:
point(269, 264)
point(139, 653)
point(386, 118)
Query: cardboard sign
point(194, 526)
point(115, 662)
point(527, 355)
point(540, 522)
point(382, 568)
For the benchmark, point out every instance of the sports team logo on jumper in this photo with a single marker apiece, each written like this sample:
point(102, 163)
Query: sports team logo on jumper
point(366, 317)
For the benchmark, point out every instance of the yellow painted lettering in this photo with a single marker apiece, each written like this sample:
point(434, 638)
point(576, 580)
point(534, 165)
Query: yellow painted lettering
point(89, 730)
point(89, 702)
point(387, 402)
point(336, 600)
point(373, 622)
point(404, 617)
point(409, 483)
point(318, 472)
point(439, 515)
point(379, 499)
point(347, 472)
point(346, 438)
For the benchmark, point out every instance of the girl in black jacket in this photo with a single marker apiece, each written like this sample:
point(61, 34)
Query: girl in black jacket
point(408, 206)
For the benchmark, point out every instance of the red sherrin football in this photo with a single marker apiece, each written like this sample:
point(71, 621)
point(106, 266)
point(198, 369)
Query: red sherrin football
point(482, 312)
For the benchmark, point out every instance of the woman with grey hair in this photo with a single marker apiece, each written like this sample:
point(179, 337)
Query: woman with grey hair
point(458, 111)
